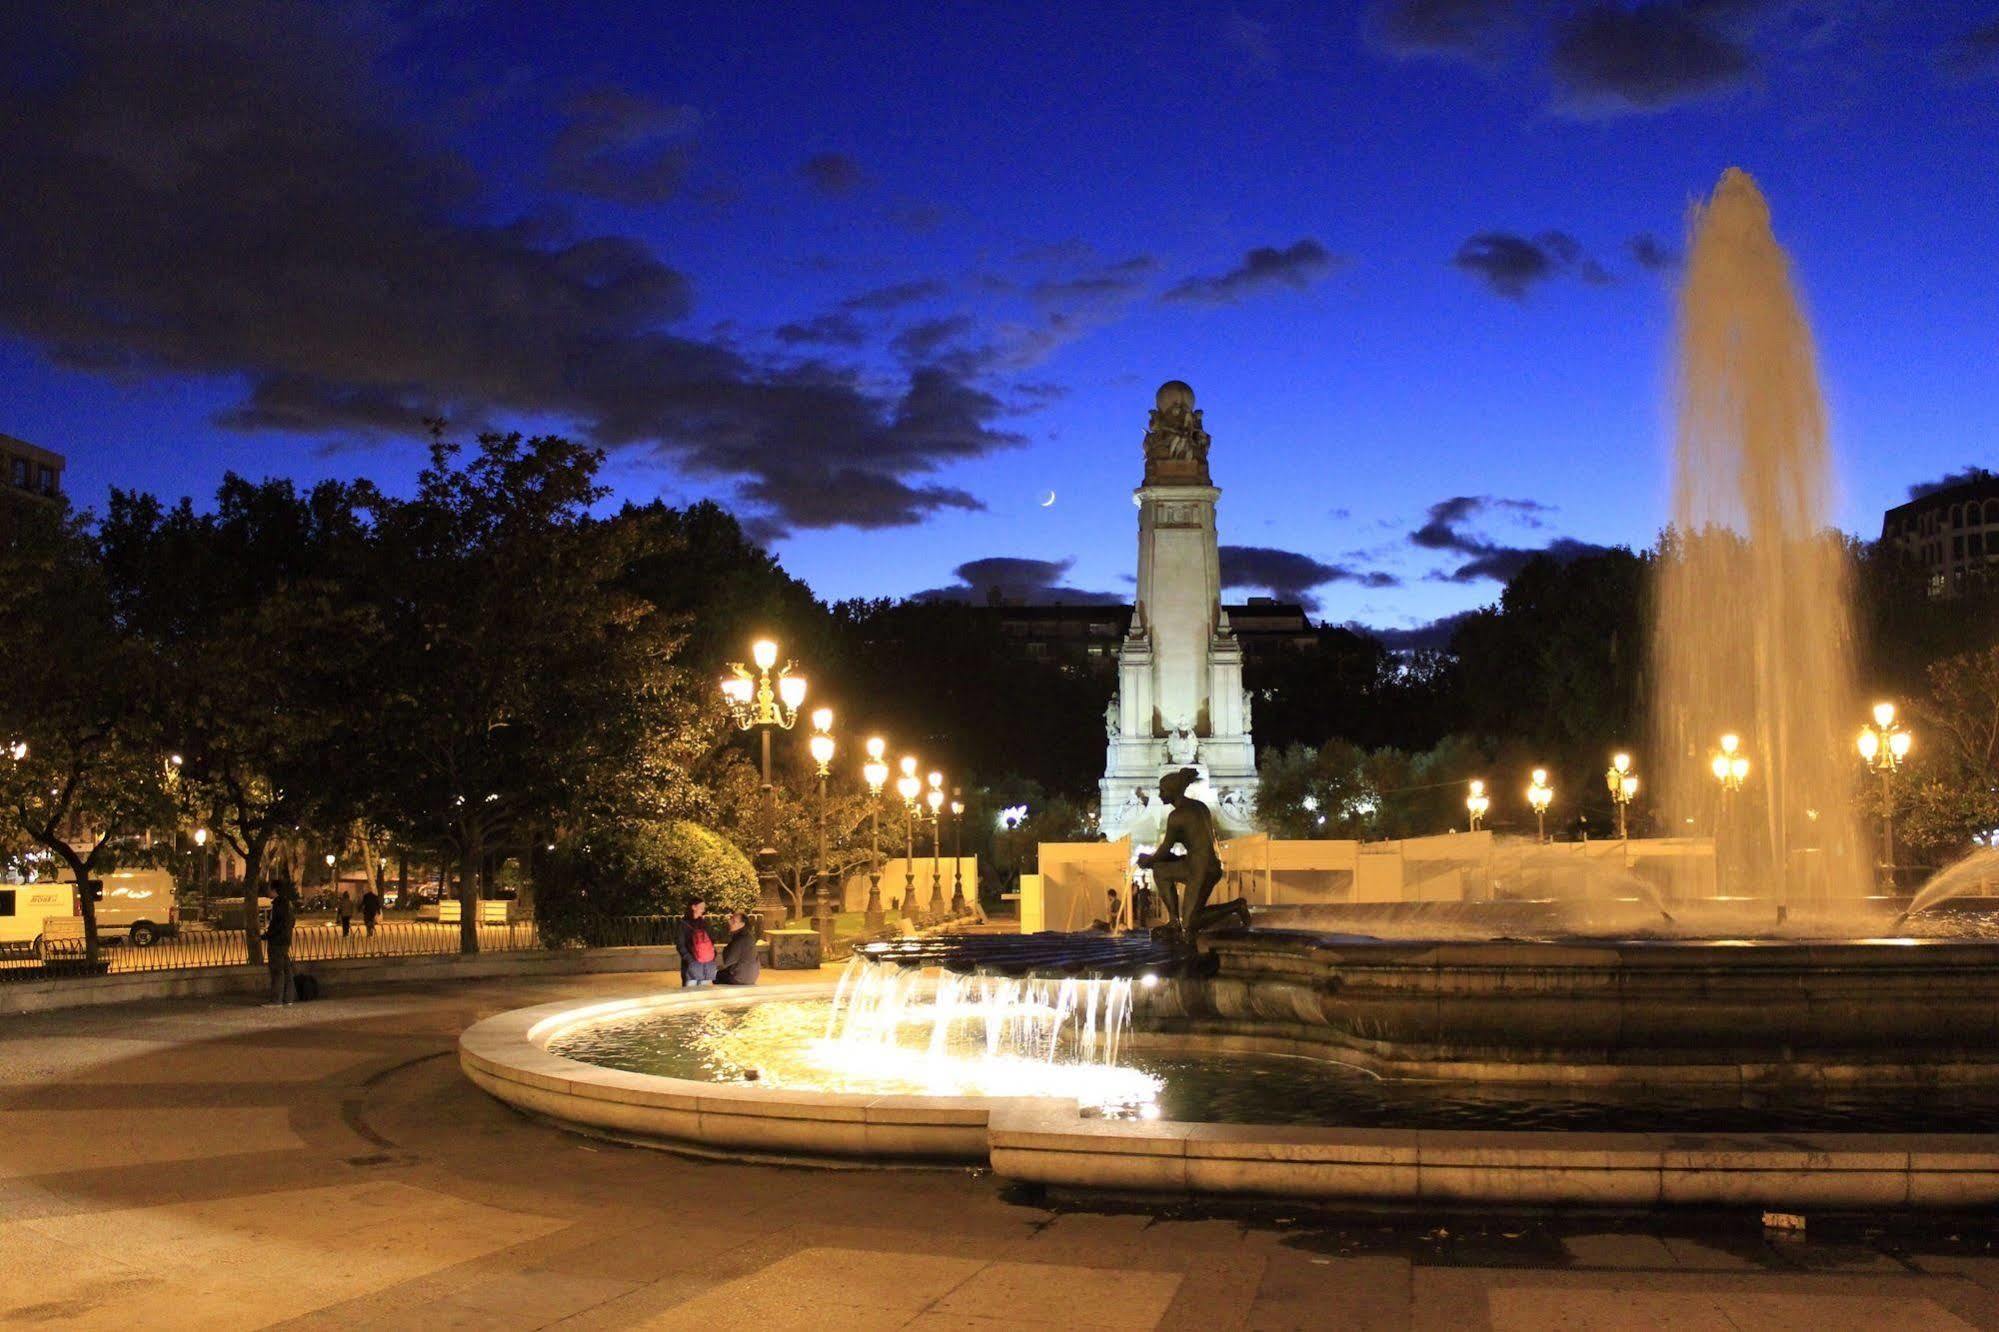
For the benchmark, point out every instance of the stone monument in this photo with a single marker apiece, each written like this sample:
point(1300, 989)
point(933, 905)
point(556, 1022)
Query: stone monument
point(1180, 701)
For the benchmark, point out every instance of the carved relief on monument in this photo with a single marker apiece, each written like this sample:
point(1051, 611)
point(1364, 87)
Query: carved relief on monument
point(1176, 444)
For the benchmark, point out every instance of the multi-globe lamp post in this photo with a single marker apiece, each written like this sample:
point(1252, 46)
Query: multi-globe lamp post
point(1883, 746)
point(934, 798)
point(1623, 784)
point(1540, 795)
point(909, 786)
point(957, 857)
point(821, 747)
point(1477, 802)
point(1730, 767)
point(875, 771)
point(758, 701)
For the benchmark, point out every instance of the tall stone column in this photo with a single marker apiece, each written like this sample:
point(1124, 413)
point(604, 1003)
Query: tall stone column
point(1180, 697)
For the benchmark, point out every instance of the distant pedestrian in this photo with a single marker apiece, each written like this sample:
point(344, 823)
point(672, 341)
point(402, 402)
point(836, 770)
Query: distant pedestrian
point(371, 909)
point(696, 947)
point(343, 910)
point(278, 939)
point(740, 963)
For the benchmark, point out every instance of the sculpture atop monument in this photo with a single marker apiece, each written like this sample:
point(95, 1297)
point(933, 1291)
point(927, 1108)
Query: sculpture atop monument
point(1176, 443)
point(1180, 701)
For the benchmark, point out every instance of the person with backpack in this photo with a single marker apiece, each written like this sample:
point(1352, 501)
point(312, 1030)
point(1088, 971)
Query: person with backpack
point(696, 947)
point(278, 939)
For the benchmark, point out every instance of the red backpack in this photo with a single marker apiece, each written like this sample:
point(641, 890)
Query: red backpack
point(704, 943)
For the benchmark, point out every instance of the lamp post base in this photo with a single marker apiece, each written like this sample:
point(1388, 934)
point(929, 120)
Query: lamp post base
point(875, 918)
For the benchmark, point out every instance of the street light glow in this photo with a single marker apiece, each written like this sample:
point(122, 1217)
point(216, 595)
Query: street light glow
point(764, 653)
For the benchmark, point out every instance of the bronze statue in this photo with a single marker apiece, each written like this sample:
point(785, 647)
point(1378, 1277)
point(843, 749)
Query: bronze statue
point(1185, 877)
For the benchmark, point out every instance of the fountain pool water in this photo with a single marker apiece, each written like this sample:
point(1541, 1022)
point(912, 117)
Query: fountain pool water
point(895, 1031)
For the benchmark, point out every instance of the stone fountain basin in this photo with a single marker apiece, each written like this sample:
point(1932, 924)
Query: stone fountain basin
point(1048, 1142)
point(1745, 1012)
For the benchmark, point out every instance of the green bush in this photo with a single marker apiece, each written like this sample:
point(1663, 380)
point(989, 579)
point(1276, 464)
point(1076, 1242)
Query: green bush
point(639, 869)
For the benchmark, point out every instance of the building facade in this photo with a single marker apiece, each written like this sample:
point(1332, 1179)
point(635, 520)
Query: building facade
point(1953, 531)
point(28, 469)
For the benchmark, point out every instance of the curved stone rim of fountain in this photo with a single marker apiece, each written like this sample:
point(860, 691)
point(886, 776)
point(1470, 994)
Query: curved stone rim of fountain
point(1048, 1142)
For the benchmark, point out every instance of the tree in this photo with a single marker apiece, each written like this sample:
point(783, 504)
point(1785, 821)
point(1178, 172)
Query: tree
point(531, 691)
point(83, 767)
point(258, 617)
point(1948, 795)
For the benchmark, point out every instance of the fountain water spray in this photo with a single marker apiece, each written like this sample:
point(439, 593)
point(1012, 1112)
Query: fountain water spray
point(1753, 629)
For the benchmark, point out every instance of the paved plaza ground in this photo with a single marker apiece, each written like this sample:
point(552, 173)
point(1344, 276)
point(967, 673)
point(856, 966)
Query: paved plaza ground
point(218, 1164)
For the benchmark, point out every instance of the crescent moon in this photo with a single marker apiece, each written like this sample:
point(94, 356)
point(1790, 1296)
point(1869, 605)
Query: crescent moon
point(1050, 500)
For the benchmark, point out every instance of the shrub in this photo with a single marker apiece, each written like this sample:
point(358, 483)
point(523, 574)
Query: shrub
point(640, 868)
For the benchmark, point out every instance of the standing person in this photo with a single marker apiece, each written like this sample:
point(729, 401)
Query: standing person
point(696, 947)
point(371, 909)
point(278, 939)
point(343, 909)
point(740, 963)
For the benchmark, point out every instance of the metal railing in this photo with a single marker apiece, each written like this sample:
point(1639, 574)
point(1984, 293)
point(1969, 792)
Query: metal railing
point(315, 941)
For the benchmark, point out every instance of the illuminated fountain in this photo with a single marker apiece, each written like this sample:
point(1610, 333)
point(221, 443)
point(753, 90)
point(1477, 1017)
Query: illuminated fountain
point(1273, 1061)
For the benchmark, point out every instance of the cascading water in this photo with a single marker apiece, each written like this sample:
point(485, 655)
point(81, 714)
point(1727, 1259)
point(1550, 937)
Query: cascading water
point(939, 1033)
point(1753, 632)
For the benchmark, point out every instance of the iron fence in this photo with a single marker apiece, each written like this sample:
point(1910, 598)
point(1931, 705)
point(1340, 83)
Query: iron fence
point(194, 948)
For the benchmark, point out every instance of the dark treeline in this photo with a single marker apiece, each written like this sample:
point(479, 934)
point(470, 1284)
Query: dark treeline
point(1554, 674)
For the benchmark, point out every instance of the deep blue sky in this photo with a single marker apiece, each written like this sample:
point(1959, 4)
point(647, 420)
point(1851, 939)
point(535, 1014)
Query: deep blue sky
point(881, 276)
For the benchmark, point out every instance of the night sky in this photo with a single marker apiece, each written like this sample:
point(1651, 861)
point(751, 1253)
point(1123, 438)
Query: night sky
point(880, 277)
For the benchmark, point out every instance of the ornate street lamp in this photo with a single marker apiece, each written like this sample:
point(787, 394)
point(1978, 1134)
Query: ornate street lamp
point(935, 799)
point(1730, 767)
point(1883, 746)
point(1540, 795)
point(759, 702)
point(1476, 803)
point(201, 869)
point(1623, 784)
point(909, 786)
point(957, 857)
point(821, 748)
point(876, 773)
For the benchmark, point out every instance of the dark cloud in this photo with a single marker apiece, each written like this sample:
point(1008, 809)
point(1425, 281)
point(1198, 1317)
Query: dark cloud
point(1447, 528)
point(1296, 266)
point(922, 341)
point(621, 147)
point(1612, 59)
point(1949, 479)
point(1974, 55)
point(917, 217)
point(1652, 253)
point(1291, 575)
point(1444, 528)
point(1472, 30)
point(896, 295)
point(1433, 636)
point(1018, 580)
point(832, 173)
point(837, 328)
point(216, 191)
point(1511, 264)
point(1111, 282)
point(1500, 563)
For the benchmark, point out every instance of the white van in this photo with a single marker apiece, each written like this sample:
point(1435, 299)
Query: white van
point(24, 909)
point(138, 904)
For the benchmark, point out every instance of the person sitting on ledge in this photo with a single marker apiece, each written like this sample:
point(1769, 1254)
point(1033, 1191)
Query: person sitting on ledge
point(740, 963)
point(1185, 878)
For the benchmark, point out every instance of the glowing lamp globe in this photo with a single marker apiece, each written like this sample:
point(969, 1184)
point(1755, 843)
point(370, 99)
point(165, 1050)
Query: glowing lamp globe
point(764, 653)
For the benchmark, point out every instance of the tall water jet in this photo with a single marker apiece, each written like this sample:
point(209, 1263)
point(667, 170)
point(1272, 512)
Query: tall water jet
point(1754, 632)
